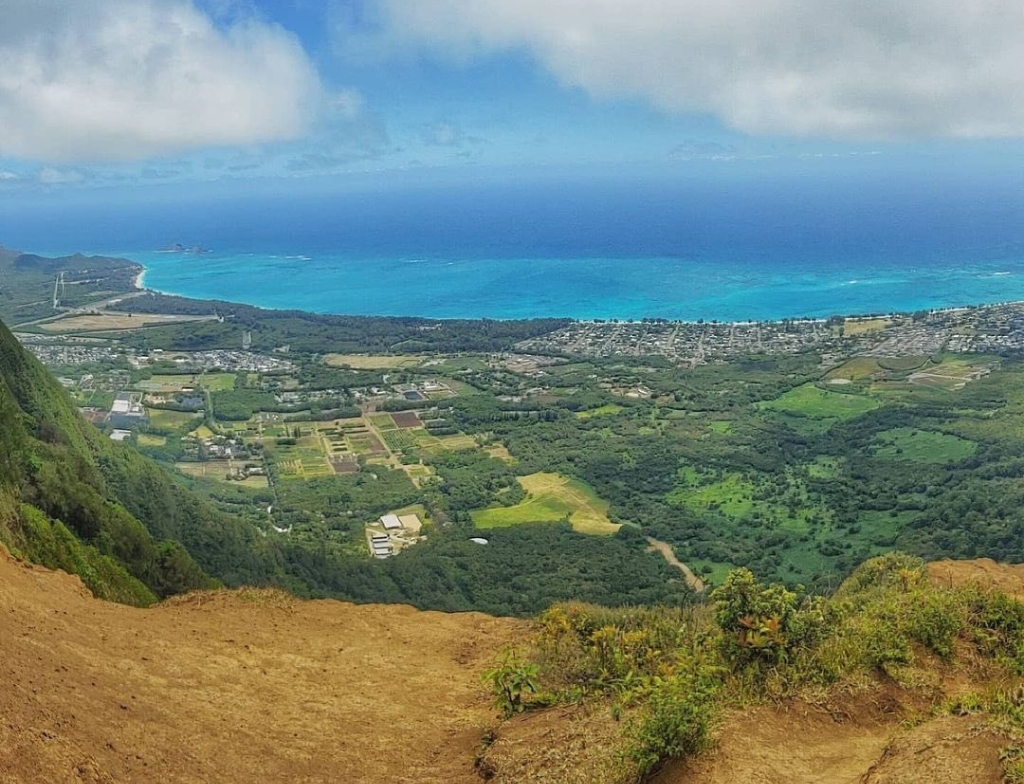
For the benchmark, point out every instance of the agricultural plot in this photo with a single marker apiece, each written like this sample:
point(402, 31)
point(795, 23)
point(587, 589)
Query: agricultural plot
point(169, 383)
point(434, 444)
point(362, 441)
point(221, 470)
point(398, 440)
point(382, 421)
point(550, 498)
point(217, 382)
point(922, 446)
point(372, 361)
point(406, 419)
point(455, 364)
point(303, 460)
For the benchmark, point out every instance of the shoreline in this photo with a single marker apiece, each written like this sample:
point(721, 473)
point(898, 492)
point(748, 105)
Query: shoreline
point(139, 285)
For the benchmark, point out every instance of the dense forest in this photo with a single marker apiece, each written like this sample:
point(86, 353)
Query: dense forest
point(310, 332)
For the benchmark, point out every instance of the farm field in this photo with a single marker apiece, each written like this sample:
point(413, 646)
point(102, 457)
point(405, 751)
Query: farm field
point(214, 469)
point(169, 383)
point(372, 361)
point(550, 498)
point(217, 382)
point(170, 420)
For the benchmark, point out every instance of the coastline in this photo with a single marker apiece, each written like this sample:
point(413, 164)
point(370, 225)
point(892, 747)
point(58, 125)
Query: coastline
point(139, 285)
point(678, 290)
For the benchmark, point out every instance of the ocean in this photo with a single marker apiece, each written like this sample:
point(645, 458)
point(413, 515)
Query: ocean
point(734, 246)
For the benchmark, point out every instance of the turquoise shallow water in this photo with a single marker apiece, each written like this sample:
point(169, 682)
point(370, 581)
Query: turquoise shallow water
point(721, 243)
point(580, 287)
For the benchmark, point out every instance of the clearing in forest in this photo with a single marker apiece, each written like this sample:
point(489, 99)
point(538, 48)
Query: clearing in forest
point(922, 446)
point(810, 401)
point(550, 498)
point(608, 409)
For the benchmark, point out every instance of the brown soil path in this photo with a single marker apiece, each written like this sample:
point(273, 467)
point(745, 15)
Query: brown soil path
point(235, 687)
point(670, 556)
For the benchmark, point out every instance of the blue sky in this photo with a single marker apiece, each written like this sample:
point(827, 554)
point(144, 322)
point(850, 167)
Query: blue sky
point(136, 93)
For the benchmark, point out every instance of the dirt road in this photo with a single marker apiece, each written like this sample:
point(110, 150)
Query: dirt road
point(669, 555)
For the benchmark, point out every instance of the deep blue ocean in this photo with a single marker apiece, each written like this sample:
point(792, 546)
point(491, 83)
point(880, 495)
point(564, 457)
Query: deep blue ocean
point(729, 245)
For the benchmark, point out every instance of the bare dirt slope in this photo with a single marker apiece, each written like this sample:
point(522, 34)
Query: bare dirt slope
point(1008, 578)
point(235, 687)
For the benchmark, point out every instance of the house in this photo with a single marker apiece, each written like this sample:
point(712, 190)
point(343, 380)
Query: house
point(391, 522)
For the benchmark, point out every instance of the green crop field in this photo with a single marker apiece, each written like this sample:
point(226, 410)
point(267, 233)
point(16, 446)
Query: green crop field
point(170, 420)
point(608, 409)
point(218, 382)
point(550, 498)
point(810, 401)
point(922, 446)
point(382, 421)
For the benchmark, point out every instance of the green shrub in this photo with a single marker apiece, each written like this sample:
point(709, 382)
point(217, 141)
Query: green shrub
point(677, 719)
point(511, 682)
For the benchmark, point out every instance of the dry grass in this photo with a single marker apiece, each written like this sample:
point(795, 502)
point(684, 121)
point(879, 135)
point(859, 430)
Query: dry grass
point(112, 322)
point(857, 326)
point(372, 361)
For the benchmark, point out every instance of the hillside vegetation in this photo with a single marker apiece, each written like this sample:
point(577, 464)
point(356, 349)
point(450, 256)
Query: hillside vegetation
point(905, 674)
point(647, 685)
point(60, 503)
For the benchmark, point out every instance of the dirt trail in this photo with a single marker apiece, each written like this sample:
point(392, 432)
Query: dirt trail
point(858, 741)
point(235, 687)
point(669, 555)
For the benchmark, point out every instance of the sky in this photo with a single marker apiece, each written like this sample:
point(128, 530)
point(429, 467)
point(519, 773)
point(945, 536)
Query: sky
point(137, 94)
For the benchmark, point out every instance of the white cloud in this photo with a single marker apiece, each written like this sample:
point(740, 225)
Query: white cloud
point(110, 80)
point(839, 68)
point(51, 176)
point(8, 175)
